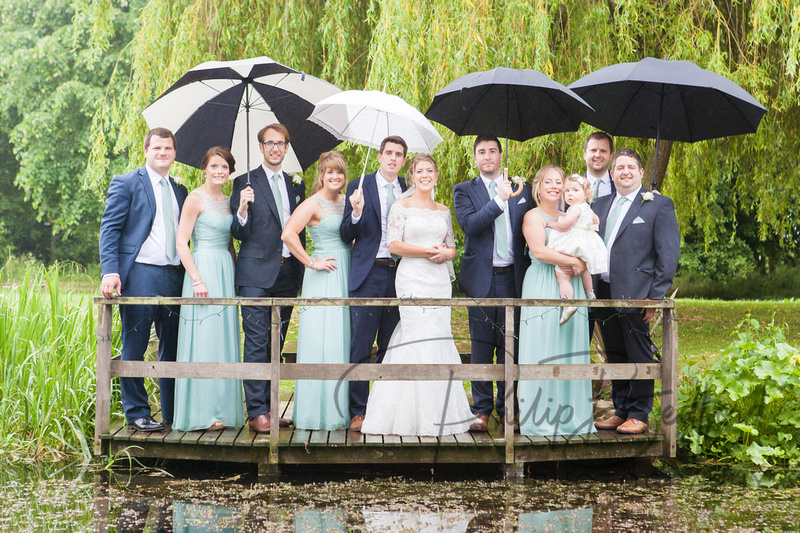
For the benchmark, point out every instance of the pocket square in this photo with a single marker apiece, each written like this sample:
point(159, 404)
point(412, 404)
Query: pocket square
point(521, 202)
point(638, 220)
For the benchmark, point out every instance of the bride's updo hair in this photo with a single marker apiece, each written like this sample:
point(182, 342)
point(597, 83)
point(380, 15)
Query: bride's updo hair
point(329, 160)
point(419, 158)
point(540, 174)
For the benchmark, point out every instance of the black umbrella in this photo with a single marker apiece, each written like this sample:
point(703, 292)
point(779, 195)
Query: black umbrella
point(672, 100)
point(225, 103)
point(517, 104)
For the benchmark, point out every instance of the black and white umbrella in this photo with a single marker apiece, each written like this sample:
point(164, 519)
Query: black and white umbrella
point(225, 103)
point(671, 100)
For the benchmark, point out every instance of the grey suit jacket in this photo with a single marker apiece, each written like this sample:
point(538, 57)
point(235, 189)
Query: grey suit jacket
point(644, 255)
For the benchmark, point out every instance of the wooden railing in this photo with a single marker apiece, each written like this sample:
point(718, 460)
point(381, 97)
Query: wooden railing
point(666, 370)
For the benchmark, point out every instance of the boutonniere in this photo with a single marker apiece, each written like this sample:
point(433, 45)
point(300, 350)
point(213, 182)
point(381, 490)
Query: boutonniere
point(647, 196)
point(297, 179)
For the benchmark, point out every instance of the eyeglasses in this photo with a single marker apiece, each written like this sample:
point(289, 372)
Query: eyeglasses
point(269, 145)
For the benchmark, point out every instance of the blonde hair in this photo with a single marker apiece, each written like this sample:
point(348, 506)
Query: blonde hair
point(584, 184)
point(540, 174)
point(329, 160)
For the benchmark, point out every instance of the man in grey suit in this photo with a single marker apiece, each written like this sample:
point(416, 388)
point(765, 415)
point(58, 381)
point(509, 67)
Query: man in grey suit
point(265, 268)
point(643, 241)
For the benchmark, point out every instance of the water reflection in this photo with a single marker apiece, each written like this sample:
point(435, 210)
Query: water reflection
point(49, 498)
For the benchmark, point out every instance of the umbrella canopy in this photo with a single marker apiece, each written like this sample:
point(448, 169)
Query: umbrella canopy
point(517, 104)
point(672, 100)
point(225, 103)
point(368, 117)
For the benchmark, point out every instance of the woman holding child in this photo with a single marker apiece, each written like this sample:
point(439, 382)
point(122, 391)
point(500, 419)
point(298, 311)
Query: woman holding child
point(552, 407)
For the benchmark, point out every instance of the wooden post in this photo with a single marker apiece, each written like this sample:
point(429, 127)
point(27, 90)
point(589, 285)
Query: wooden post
point(508, 419)
point(275, 390)
point(102, 406)
point(669, 380)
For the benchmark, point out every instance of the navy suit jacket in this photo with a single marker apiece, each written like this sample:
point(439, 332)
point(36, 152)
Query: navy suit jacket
point(476, 214)
point(367, 232)
point(128, 220)
point(644, 255)
point(260, 252)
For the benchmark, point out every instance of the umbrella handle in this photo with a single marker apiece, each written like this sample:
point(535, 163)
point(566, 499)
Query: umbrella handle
point(516, 179)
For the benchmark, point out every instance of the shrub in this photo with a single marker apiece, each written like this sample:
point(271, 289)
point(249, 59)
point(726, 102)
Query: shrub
point(746, 406)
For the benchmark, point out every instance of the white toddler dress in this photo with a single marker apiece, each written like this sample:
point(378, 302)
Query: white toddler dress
point(582, 241)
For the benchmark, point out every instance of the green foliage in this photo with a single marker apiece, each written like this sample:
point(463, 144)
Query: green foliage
point(746, 406)
point(47, 362)
point(413, 49)
point(780, 284)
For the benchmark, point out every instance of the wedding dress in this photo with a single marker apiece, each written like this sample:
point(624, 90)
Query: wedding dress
point(423, 336)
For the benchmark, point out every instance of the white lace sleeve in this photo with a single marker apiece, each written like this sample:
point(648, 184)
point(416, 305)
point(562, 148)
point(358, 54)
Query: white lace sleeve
point(449, 239)
point(396, 223)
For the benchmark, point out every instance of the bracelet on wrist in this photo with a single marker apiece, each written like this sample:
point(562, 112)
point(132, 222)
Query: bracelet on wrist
point(196, 283)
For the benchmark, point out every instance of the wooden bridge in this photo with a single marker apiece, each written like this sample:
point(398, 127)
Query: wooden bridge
point(499, 446)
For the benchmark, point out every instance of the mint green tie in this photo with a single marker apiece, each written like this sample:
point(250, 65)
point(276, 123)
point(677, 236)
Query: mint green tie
point(612, 218)
point(169, 219)
point(276, 192)
point(597, 183)
point(389, 197)
point(500, 229)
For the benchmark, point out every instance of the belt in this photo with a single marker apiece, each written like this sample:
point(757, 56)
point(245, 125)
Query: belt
point(285, 260)
point(502, 270)
point(386, 262)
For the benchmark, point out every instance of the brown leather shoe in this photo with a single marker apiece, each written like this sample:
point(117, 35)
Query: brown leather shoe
point(283, 422)
point(609, 423)
point(481, 424)
point(259, 424)
point(632, 426)
point(356, 422)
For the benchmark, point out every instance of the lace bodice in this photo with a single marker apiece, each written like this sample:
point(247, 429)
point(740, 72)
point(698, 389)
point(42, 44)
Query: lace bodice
point(329, 208)
point(420, 227)
point(222, 207)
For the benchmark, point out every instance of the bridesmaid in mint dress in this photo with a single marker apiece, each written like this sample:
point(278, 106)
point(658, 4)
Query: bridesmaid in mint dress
point(551, 407)
point(208, 333)
point(324, 331)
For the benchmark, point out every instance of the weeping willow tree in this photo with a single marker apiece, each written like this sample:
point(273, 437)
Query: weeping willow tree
point(414, 48)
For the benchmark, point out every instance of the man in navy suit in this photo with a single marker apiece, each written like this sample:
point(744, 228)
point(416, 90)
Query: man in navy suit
point(138, 258)
point(493, 265)
point(372, 269)
point(265, 268)
point(643, 241)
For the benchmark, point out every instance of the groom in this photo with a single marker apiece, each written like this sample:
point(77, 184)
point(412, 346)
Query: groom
point(641, 233)
point(265, 268)
point(493, 264)
point(372, 269)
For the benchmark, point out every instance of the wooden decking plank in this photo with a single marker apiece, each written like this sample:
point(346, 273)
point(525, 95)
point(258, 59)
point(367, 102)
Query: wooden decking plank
point(538, 440)
point(301, 437)
point(482, 438)
point(245, 437)
point(191, 437)
point(465, 439)
point(609, 435)
point(373, 439)
point(355, 438)
point(337, 438)
point(409, 441)
point(228, 436)
point(261, 440)
point(319, 438)
point(574, 440)
point(448, 440)
point(591, 438)
point(173, 437)
point(392, 440)
point(556, 440)
point(428, 441)
point(209, 437)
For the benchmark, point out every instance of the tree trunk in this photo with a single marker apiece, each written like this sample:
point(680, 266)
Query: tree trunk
point(664, 150)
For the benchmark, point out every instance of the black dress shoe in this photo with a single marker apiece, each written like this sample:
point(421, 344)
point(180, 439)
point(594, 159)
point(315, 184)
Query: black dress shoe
point(146, 423)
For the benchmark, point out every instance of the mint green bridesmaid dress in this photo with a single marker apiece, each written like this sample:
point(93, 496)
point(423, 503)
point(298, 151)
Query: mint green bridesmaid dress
point(210, 333)
point(324, 331)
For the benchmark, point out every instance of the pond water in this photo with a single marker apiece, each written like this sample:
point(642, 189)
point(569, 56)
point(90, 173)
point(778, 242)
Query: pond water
point(229, 498)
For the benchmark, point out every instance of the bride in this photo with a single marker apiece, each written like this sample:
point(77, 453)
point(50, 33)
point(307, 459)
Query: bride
point(421, 232)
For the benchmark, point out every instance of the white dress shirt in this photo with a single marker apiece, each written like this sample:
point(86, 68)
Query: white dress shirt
point(380, 181)
point(605, 184)
point(153, 251)
point(508, 259)
point(623, 211)
point(284, 196)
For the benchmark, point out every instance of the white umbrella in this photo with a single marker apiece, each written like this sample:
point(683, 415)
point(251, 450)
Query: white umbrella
point(225, 103)
point(368, 117)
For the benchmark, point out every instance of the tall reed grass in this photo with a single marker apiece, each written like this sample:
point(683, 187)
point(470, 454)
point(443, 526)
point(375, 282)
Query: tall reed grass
point(47, 377)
